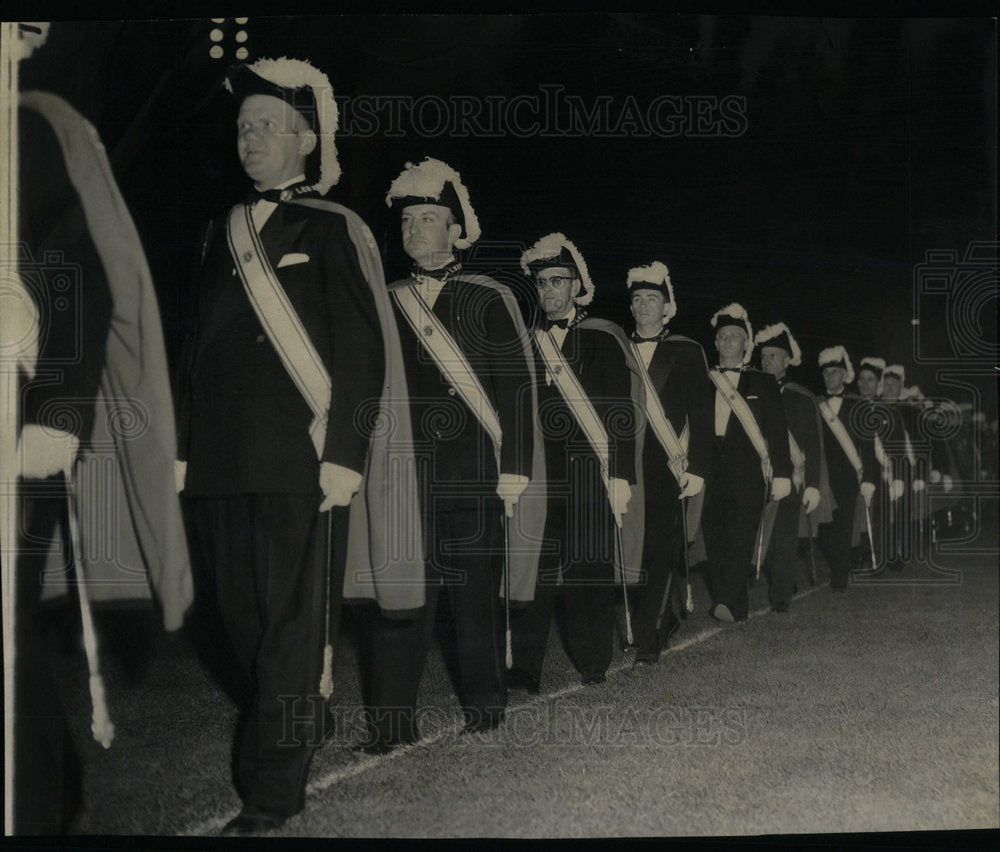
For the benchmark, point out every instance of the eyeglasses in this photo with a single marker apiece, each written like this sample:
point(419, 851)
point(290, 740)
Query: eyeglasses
point(555, 281)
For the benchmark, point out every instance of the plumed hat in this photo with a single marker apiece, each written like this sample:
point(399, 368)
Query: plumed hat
point(897, 371)
point(735, 314)
point(875, 365)
point(836, 356)
point(435, 182)
point(656, 276)
point(304, 88)
point(556, 250)
point(780, 336)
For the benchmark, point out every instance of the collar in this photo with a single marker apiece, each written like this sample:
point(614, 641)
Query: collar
point(441, 274)
point(656, 338)
point(278, 193)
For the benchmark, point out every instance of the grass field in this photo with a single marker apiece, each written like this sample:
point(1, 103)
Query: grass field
point(871, 711)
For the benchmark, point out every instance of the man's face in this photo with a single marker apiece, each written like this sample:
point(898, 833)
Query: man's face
point(557, 287)
point(891, 386)
point(867, 384)
point(731, 341)
point(272, 140)
point(833, 378)
point(774, 360)
point(427, 237)
point(647, 307)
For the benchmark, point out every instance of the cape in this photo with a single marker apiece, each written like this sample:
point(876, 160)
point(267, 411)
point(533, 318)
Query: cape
point(395, 578)
point(134, 410)
point(633, 522)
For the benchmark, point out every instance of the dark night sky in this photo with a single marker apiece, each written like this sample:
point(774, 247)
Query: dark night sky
point(865, 143)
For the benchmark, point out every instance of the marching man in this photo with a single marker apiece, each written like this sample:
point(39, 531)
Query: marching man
point(753, 463)
point(588, 420)
point(286, 349)
point(850, 460)
point(778, 351)
point(469, 383)
point(678, 439)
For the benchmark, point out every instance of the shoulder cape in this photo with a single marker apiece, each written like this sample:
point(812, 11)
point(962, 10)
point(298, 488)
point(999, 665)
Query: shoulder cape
point(633, 522)
point(130, 458)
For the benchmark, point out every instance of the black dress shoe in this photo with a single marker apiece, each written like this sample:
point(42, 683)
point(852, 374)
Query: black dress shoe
point(593, 678)
point(520, 680)
point(482, 723)
point(252, 821)
point(646, 657)
point(721, 612)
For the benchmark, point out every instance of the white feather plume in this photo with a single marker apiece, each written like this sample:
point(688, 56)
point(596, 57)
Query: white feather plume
point(296, 74)
point(551, 246)
point(737, 311)
point(656, 273)
point(427, 180)
point(834, 354)
point(770, 332)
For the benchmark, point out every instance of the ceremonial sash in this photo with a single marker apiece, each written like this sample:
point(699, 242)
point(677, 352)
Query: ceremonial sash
point(576, 398)
point(280, 321)
point(843, 438)
point(451, 361)
point(883, 460)
point(798, 460)
point(739, 407)
point(676, 447)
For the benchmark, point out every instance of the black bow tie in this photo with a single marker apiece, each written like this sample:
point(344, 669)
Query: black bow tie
point(559, 323)
point(442, 273)
point(255, 195)
point(722, 369)
point(638, 338)
point(831, 395)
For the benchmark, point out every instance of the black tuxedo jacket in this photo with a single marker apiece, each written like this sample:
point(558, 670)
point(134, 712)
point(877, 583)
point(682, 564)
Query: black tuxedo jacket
point(679, 373)
point(450, 435)
point(843, 479)
point(243, 425)
point(599, 364)
point(737, 462)
point(803, 422)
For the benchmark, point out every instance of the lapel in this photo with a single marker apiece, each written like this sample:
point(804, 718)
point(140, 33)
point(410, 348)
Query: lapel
point(661, 365)
point(281, 231)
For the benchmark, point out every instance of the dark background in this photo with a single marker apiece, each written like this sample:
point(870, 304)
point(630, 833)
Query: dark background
point(866, 144)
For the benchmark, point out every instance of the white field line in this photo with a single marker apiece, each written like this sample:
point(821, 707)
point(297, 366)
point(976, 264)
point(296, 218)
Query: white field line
point(318, 785)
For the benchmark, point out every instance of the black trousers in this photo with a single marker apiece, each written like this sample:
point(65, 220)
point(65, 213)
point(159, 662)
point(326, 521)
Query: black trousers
point(784, 550)
point(662, 555)
point(47, 771)
point(580, 542)
point(263, 558)
point(465, 563)
point(835, 538)
point(730, 521)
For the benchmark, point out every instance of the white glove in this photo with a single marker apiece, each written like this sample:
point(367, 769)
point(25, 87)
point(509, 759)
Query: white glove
point(810, 499)
point(338, 485)
point(621, 493)
point(691, 485)
point(868, 491)
point(43, 451)
point(510, 487)
point(935, 476)
point(896, 489)
point(781, 487)
point(180, 474)
point(919, 485)
point(948, 483)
